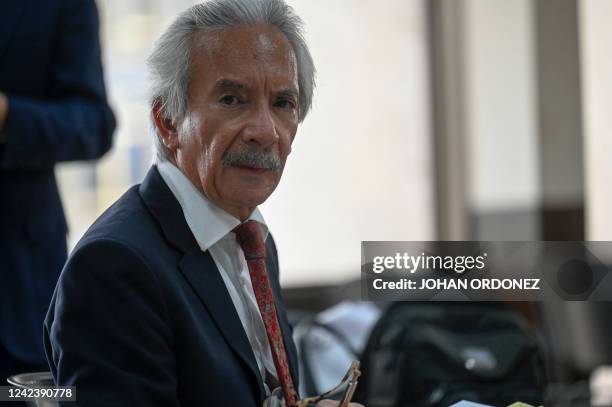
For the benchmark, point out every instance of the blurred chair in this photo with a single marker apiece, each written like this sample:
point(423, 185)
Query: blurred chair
point(36, 379)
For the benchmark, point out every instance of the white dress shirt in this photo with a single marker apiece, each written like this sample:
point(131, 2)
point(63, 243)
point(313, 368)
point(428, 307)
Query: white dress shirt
point(212, 228)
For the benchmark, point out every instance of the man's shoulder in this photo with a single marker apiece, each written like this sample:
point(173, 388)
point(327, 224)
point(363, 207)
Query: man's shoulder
point(127, 223)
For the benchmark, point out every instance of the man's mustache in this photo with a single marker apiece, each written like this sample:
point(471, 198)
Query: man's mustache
point(252, 158)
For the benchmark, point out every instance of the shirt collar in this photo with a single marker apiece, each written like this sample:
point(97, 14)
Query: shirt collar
point(208, 223)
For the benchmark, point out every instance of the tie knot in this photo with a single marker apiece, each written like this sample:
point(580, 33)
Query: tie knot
point(248, 235)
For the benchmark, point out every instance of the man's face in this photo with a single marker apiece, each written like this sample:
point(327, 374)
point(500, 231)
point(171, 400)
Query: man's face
point(242, 117)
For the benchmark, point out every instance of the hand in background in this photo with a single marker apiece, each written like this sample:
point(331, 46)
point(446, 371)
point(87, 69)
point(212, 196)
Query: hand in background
point(3, 113)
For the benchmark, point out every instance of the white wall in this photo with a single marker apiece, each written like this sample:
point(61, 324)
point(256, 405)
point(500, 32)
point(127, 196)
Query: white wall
point(596, 47)
point(501, 115)
point(361, 164)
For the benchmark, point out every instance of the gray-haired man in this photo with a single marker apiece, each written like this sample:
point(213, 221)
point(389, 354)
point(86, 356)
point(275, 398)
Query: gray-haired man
point(172, 296)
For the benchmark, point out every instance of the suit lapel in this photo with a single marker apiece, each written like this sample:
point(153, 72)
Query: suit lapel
point(288, 339)
point(203, 276)
point(199, 269)
point(272, 269)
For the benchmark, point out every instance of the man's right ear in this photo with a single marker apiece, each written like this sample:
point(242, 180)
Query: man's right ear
point(165, 126)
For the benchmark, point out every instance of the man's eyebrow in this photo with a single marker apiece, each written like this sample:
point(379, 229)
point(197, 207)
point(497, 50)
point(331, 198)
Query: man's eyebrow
point(228, 84)
point(288, 92)
point(225, 84)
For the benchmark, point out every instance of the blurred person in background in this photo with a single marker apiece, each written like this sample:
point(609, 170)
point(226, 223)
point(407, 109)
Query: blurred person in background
point(172, 297)
point(53, 109)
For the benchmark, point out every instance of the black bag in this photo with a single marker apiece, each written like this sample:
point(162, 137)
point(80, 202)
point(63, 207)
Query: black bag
point(437, 354)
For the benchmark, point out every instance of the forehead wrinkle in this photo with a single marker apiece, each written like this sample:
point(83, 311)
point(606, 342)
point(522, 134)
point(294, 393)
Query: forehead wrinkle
point(225, 83)
point(222, 50)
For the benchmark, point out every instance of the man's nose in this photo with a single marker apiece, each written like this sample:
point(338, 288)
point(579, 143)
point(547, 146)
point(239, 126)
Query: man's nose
point(260, 128)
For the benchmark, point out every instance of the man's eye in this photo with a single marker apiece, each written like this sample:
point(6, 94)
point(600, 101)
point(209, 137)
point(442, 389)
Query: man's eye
point(285, 104)
point(229, 100)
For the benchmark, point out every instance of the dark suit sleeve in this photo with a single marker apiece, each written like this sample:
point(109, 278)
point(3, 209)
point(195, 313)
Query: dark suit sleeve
point(108, 330)
point(74, 121)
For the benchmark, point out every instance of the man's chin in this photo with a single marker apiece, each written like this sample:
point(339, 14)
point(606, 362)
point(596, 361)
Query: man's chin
point(253, 201)
point(244, 202)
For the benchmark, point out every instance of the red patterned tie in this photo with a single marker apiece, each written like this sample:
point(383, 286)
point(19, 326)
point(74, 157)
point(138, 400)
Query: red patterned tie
point(254, 248)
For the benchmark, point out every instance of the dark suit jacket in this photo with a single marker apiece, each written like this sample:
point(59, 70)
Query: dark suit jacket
point(50, 71)
point(141, 316)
